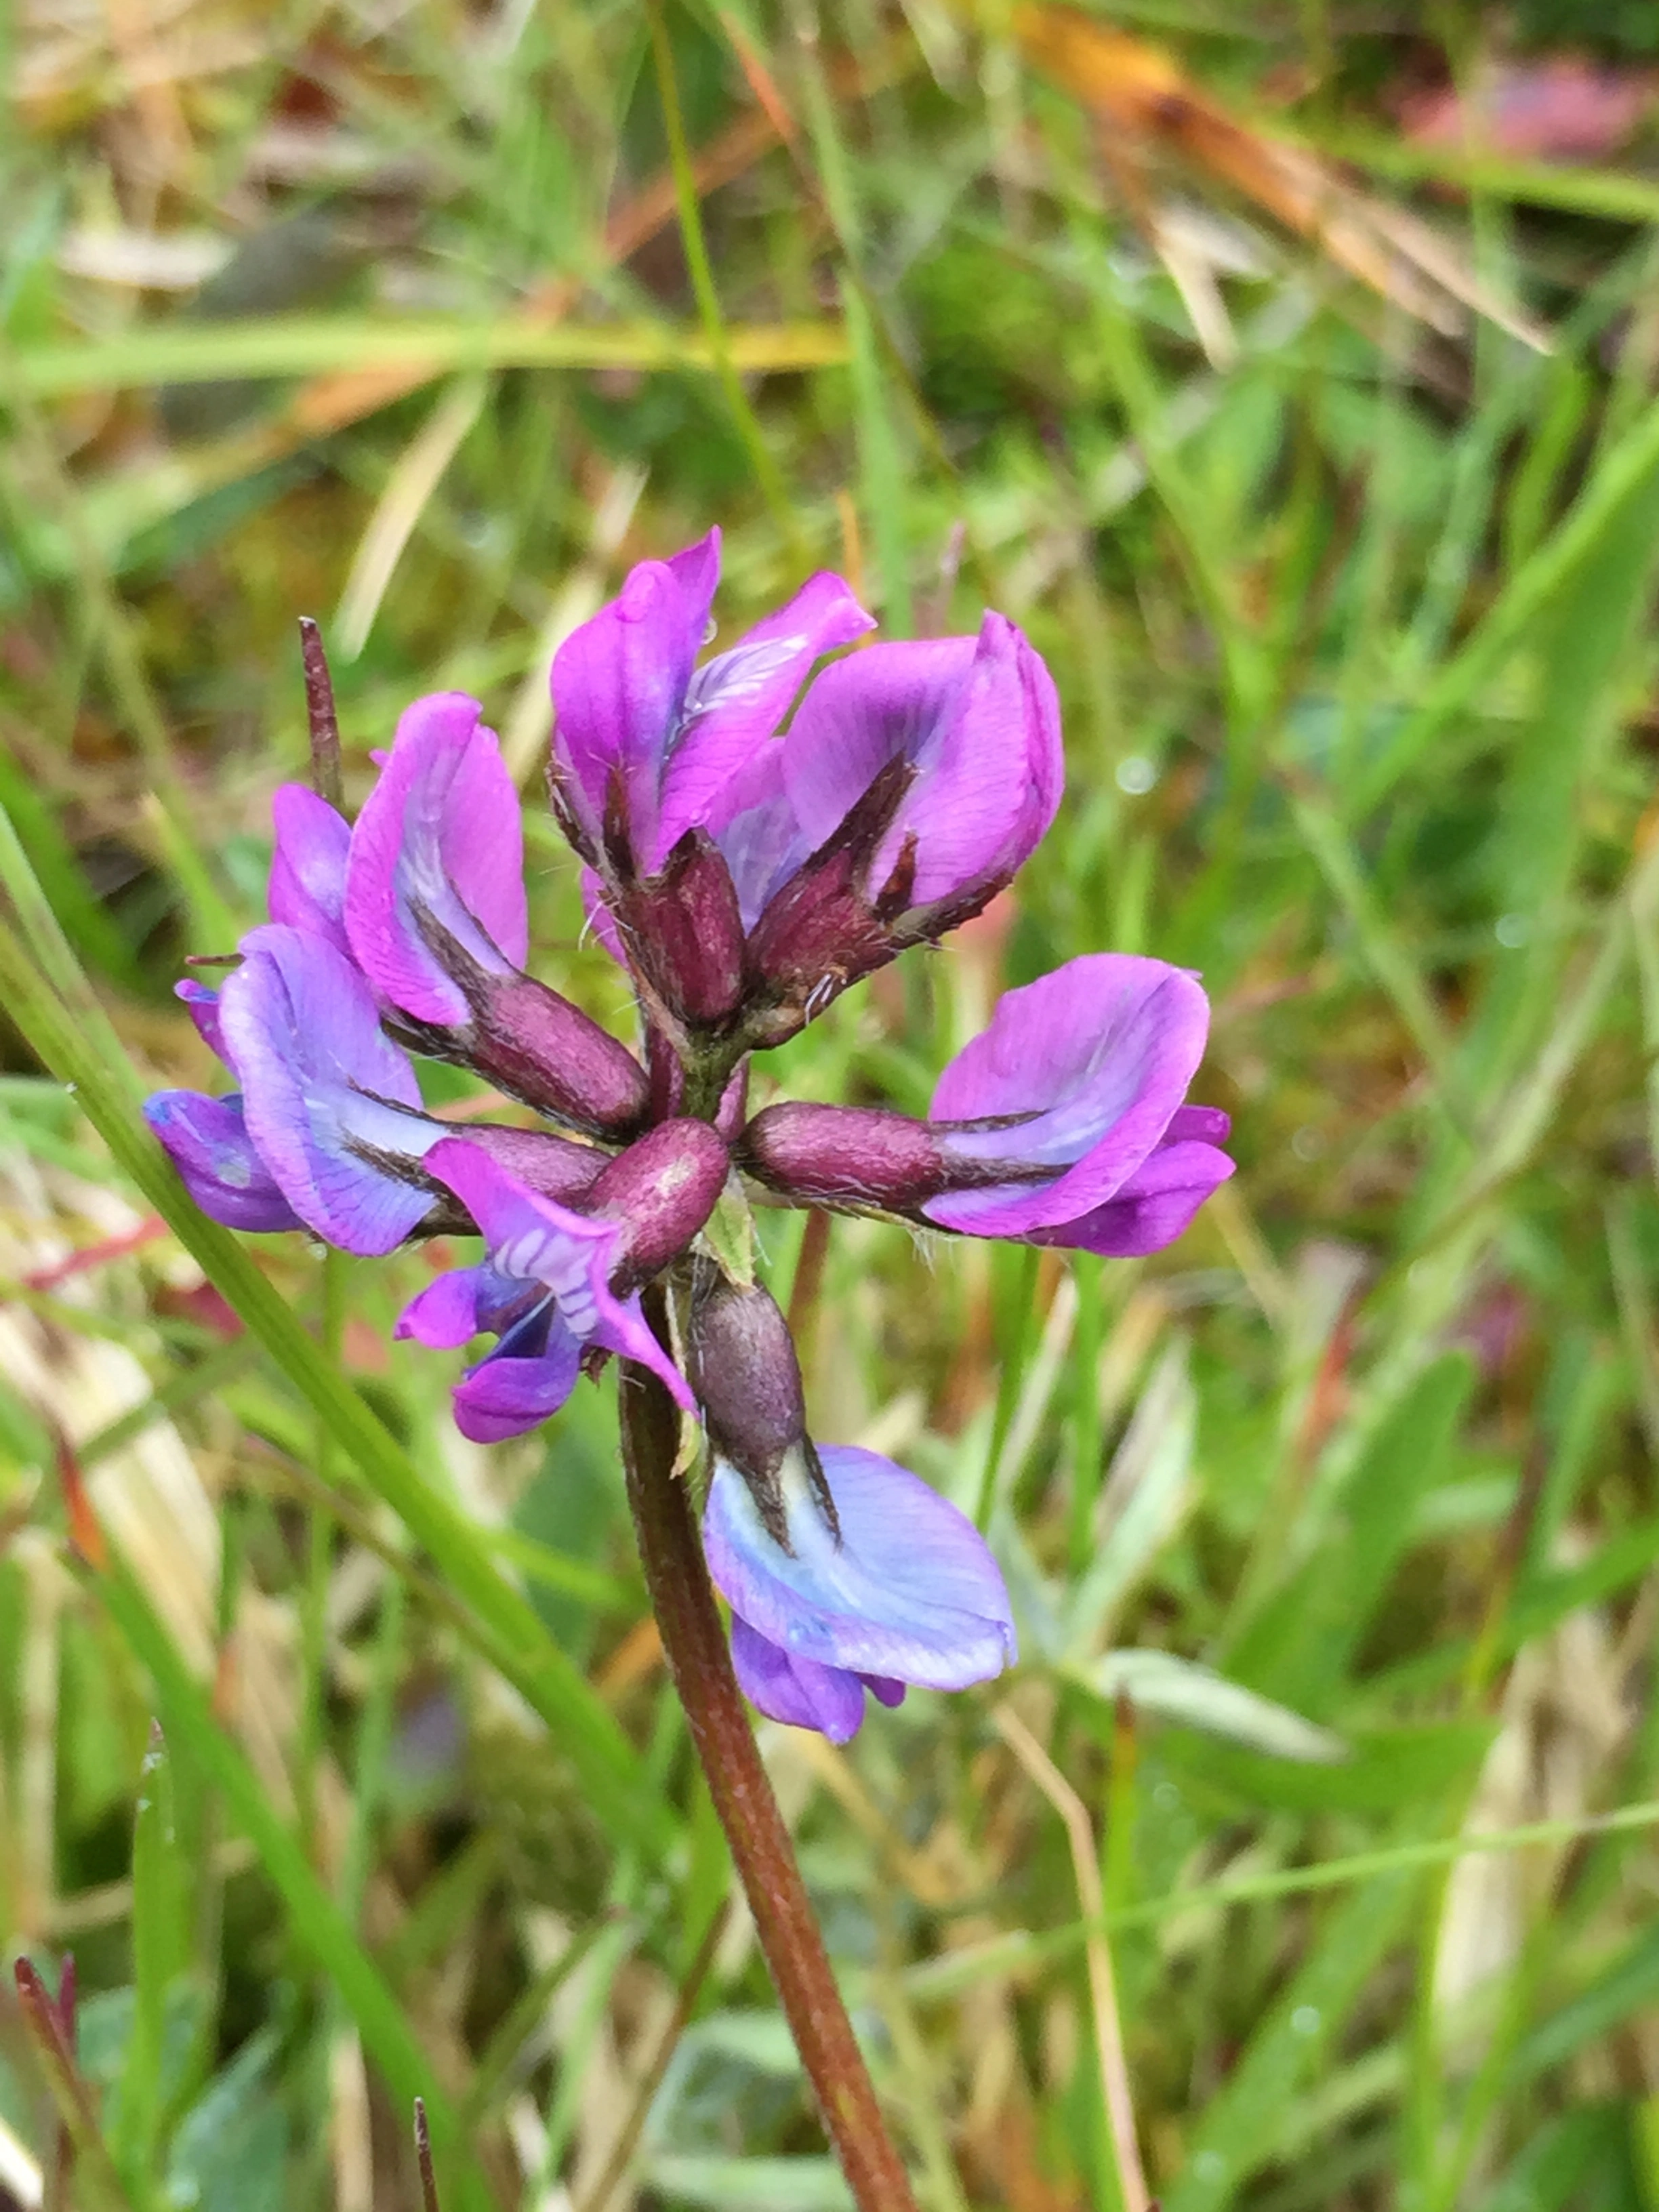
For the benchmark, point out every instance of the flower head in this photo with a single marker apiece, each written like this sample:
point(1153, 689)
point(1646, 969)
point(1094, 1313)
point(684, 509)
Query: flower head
point(754, 839)
point(1064, 1122)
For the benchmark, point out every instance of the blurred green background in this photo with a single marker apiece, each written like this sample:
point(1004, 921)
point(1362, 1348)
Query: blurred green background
point(1291, 375)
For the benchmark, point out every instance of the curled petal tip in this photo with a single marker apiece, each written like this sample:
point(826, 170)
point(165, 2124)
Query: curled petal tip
point(435, 887)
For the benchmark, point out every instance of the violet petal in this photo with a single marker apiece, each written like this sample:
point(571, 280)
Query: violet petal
point(207, 1142)
point(455, 1308)
point(1151, 1210)
point(308, 865)
point(329, 1101)
point(798, 1692)
point(438, 846)
point(504, 1395)
point(1097, 1056)
point(202, 1004)
point(907, 1591)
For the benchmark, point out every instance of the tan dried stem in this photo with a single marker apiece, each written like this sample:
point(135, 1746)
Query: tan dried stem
point(1103, 1988)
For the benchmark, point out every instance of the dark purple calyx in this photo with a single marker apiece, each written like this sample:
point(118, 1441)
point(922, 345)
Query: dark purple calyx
point(865, 1157)
point(533, 1044)
point(742, 1365)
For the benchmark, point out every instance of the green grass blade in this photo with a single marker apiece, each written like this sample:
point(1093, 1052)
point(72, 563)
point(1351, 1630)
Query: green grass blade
point(582, 1726)
point(312, 346)
point(318, 1921)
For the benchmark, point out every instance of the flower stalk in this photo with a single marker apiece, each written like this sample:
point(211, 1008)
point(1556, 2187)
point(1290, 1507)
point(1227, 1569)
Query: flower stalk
point(695, 1643)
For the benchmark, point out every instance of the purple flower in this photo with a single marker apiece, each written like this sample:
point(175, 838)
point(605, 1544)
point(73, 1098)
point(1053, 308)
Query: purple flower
point(873, 1581)
point(914, 781)
point(436, 919)
point(307, 890)
point(1064, 1122)
point(210, 1146)
point(437, 864)
point(644, 741)
point(544, 1289)
point(332, 1104)
point(843, 1571)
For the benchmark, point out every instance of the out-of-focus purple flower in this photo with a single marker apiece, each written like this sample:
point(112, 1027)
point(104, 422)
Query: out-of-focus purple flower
point(1064, 1122)
point(436, 919)
point(888, 1585)
point(544, 1289)
point(307, 883)
point(644, 741)
point(208, 1141)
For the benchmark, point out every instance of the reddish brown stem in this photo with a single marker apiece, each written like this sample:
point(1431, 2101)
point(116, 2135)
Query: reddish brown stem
point(694, 1642)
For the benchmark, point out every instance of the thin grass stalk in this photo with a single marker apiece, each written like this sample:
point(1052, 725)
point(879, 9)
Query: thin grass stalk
point(1096, 1951)
point(695, 1643)
point(767, 473)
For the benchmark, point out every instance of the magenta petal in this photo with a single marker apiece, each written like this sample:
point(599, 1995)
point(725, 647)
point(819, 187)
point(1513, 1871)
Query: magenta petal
point(503, 1397)
point(619, 682)
point(328, 1097)
point(308, 866)
point(978, 720)
point(798, 1692)
point(1199, 1124)
point(439, 844)
point(736, 702)
point(1155, 1207)
point(208, 1141)
point(533, 1240)
point(884, 703)
point(1097, 1056)
point(907, 1591)
point(453, 1309)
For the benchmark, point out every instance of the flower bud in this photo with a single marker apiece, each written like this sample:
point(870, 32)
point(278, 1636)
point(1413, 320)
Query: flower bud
point(660, 1192)
point(742, 1363)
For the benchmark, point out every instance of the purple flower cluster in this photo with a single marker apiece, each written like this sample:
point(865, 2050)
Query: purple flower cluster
point(743, 878)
